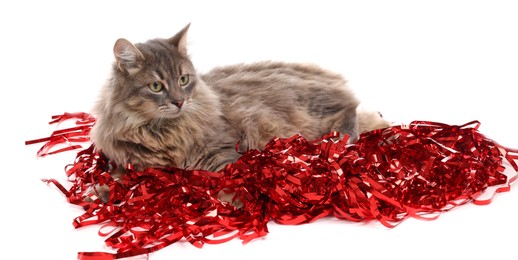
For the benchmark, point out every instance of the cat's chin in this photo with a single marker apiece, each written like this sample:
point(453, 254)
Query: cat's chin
point(170, 115)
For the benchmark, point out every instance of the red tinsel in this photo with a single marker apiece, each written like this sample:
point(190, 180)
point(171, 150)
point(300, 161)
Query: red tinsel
point(418, 170)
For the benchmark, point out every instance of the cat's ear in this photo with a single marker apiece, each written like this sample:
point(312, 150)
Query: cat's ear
point(127, 56)
point(180, 40)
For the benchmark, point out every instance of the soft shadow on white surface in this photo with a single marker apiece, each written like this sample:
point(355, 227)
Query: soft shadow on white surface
point(445, 61)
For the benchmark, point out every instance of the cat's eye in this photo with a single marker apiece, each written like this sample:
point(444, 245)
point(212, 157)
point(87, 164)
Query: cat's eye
point(183, 80)
point(156, 86)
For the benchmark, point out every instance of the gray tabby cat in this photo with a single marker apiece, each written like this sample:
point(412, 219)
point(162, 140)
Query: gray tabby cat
point(157, 111)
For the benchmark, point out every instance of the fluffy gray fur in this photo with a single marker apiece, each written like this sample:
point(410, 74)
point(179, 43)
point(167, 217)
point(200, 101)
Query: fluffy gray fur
point(195, 121)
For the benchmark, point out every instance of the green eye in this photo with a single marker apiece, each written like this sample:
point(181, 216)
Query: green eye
point(183, 80)
point(156, 86)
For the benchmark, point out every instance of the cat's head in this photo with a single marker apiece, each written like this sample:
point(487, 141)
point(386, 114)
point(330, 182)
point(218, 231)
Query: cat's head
point(154, 79)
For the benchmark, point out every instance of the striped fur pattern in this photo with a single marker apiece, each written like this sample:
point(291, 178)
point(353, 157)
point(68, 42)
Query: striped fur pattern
point(156, 110)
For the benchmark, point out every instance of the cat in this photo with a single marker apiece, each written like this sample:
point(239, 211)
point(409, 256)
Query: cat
point(157, 111)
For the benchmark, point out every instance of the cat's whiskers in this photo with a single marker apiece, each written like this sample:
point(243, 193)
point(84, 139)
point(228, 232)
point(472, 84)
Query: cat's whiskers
point(198, 110)
point(144, 115)
point(145, 112)
point(157, 120)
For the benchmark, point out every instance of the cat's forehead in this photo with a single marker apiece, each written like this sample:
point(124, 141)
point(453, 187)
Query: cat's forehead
point(163, 58)
point(154, 49)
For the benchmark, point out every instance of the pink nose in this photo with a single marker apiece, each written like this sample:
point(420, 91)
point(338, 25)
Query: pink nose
point(179, 103)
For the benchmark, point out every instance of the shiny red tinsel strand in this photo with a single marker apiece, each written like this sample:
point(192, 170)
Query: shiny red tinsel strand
point(418, 170)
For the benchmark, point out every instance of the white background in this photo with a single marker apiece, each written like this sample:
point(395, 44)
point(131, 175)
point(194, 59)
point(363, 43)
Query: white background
point(445, 61)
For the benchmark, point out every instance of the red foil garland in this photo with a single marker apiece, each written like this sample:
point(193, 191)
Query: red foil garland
point(418, 170)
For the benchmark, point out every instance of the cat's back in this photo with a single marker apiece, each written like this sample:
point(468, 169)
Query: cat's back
point(280, 88)
point(276, 99)
point(267, 76)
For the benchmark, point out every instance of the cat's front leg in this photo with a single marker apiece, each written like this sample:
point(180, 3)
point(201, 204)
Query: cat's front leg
point(216, 160)
point(227, 157)
point(103, 191)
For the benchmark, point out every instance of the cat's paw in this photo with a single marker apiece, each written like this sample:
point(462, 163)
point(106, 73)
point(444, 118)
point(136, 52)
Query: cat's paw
point(229, 197)
point(102, 192)
point(370, 120)
point(97, 191)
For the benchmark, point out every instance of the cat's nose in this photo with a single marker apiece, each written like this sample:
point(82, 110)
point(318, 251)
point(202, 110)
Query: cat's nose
point(178, 103)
